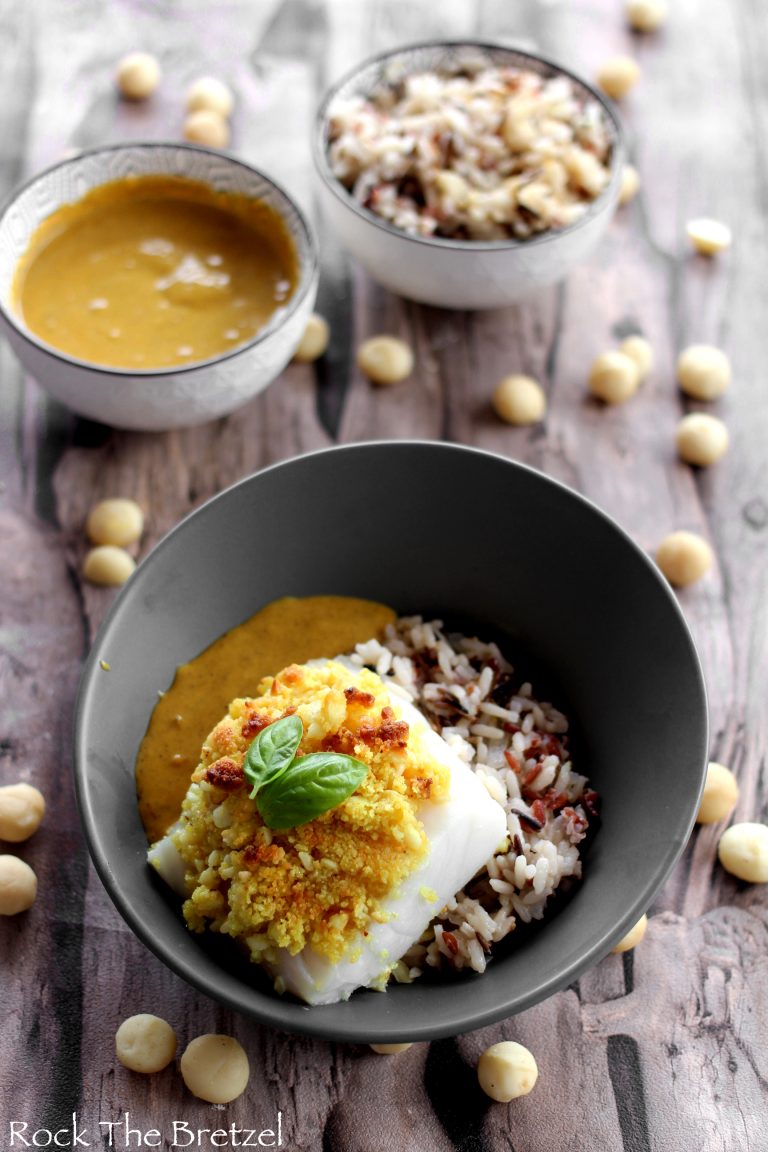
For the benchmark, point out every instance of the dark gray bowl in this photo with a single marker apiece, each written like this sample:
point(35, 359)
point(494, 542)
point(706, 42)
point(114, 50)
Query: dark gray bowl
point(446, 530)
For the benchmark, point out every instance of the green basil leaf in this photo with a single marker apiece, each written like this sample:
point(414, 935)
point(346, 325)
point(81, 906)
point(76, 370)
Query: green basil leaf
point(272, 751)
point(312, 785)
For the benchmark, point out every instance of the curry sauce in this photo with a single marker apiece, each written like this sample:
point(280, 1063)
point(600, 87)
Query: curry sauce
point(285, 632)
point(152, 272)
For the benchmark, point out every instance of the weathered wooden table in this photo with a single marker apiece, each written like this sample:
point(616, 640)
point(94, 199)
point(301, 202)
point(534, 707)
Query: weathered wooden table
point(662, 1050)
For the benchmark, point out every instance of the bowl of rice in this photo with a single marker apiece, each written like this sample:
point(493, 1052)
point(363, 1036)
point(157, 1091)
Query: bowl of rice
point(467, 175)
point(531, 648)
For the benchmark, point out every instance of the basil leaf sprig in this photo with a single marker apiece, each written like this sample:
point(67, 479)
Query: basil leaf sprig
point(291, 790)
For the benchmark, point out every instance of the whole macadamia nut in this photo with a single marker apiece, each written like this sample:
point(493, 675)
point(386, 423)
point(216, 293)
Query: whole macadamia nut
point(145, 1043)
point(743, 851)
point(116, 521)
point(385, 359)
point(720, 796)
point(390, 1049)
point(618, 75)
point(108, 565)
point(137, 75)
point(633, 937)
point(212, 95)
point(684, 558)
point(18, 886)
point(639, 350)
point(646, 15)
point(22, 807)
point(206, 128)
point(701, 439)
point(519, 400)
point(314, 341)
point(703, 371)
point(630, 184)
point(708, 236)
point(507, 1070)
point(613, 377)
point(215, 1068)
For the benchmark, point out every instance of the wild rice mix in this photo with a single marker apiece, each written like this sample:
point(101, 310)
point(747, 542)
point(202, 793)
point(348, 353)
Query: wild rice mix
point(492, 154)
point(518, 746)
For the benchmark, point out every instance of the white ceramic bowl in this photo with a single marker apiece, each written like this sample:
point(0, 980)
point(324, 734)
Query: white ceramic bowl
point(459, 273)
point(165, 398)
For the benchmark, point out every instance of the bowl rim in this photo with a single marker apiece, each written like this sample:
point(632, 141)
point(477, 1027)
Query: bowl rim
point(306, 280)
point(293, 1016)
point(596, 207)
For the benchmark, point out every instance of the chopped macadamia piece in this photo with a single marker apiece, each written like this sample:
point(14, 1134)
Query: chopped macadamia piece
point(519, 400)
point(390, 1049)
point(639, 350)
point(117, 522)
point(212, 95)
point(613, 377)
point(684, 558)
point(721, 793)
point(18, 886)
point(618, 75)
point(630, 184)
point(145, 1043)
point(22, 807)
point(314, 341)
point(633, 937)
point(108, 565)
point(743, 851)
point(137, 75)
point(507, 1070)
point(708, 236)
point(385, 359)
point(703, 371)
point(701, 439)
point(646, 15)
point(207, 128)
point(215, 1068)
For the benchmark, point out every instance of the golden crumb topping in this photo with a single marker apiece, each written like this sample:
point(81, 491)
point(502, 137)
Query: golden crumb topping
point(323, 883)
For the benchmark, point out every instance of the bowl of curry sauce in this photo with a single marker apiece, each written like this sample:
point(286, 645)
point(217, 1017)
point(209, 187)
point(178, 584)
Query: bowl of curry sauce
point(154, 286)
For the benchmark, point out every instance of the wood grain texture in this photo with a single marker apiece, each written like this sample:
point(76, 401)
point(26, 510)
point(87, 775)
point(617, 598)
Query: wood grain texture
point(657, 1051)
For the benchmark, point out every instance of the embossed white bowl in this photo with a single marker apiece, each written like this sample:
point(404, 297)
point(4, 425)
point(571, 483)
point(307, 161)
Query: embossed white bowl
point(164, 398)
point(469, 274)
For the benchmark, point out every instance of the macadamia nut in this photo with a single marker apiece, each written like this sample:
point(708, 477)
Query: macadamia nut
point(743, 851)
point(314, 341)
point(206, 128)
point(684, 558)
point(701, 439)
point(708, 236)
point(519, 400)
point(639, 350)
point(618, 75)
point(145, 1043)
point(633, 937)
point(630, 184)
point(721, 793)
point(703, 371)
point(212, 95)
point(646, 15)
point(390, 1049)
point(22, 807)
point(613, 377)
point(137, 75)
point(108, 566)
point(385, 359)
point(117, 522)
point(18, 886)
point(507, 1070)
point(215, 1068)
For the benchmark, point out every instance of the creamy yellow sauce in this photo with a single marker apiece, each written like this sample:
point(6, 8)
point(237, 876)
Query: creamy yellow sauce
point(285, 632)
point(152, 272)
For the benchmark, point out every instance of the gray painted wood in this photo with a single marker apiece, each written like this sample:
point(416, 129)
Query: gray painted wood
point(654, 1052)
